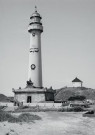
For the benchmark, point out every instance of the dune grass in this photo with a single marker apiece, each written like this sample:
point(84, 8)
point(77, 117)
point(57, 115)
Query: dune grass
point(46, 109)
point(24, 117)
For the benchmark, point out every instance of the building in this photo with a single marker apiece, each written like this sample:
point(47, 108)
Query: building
point(34, 91)
point(77, 82)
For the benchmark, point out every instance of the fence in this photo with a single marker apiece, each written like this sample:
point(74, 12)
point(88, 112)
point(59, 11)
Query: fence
point(6, 104)
point(47, 105)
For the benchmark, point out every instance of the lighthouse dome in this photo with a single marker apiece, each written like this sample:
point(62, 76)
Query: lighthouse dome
point(35, 22)
point(35, 14)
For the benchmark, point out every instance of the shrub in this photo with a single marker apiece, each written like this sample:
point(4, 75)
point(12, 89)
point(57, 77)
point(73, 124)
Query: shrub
point(71, 109)
point(78, 97)
point(4, 116)
point(25, 117)
point(78, 109)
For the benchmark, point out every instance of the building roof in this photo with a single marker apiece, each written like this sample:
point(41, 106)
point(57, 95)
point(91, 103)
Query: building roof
point(76, 80)
point(29, 89)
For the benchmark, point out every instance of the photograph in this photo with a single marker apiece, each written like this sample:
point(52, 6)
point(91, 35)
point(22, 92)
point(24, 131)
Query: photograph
point(47, 71)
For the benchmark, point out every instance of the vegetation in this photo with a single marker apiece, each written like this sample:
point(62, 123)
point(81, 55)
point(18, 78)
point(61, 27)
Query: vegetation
point(90, 113)
point(65, 93)
point(27, 109)
point(78, 109)
point(24, 117)
point(78, 97)
point(4, 98)
point(46, 109)
point(1, 107)
point(71, 109)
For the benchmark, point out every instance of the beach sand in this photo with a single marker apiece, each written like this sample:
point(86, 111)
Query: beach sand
point(52, 123)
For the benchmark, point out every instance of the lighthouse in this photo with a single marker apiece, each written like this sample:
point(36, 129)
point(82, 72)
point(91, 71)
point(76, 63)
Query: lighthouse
point(34, 92)
point(35, 61)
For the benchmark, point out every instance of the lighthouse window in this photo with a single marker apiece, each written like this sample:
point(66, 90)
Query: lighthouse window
point(33, 34)
point(33, 66)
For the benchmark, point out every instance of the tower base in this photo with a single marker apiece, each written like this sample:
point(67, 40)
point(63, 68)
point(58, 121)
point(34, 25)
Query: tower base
point(33, 95)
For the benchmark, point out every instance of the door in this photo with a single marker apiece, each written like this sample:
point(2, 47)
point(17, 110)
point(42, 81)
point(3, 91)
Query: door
point(28, 99)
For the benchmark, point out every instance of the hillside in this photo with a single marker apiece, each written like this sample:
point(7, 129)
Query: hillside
point(4, 98)
point(67, 92)
point(63, 94)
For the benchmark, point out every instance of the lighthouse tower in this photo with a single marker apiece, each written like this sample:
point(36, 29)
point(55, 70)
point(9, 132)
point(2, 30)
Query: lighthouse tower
point(34, 91)
point(35, 62)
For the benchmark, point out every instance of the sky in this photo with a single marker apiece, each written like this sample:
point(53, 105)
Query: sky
point(68, 42)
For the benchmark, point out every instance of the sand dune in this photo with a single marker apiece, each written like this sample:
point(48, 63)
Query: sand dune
point(52, 123)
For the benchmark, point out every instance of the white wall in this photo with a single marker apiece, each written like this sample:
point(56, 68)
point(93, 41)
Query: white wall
point(77, 84)
point(35, 97)
point(35, 58)
point(47, 105)
point(21, 98)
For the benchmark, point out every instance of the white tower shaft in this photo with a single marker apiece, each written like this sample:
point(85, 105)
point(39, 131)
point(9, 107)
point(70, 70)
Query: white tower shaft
point(35, 63)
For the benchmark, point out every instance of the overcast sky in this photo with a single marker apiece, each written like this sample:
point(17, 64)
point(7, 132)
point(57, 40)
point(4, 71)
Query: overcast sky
point(68, 42)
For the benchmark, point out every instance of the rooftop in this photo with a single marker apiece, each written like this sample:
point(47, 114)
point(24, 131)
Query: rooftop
point(76, 80)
